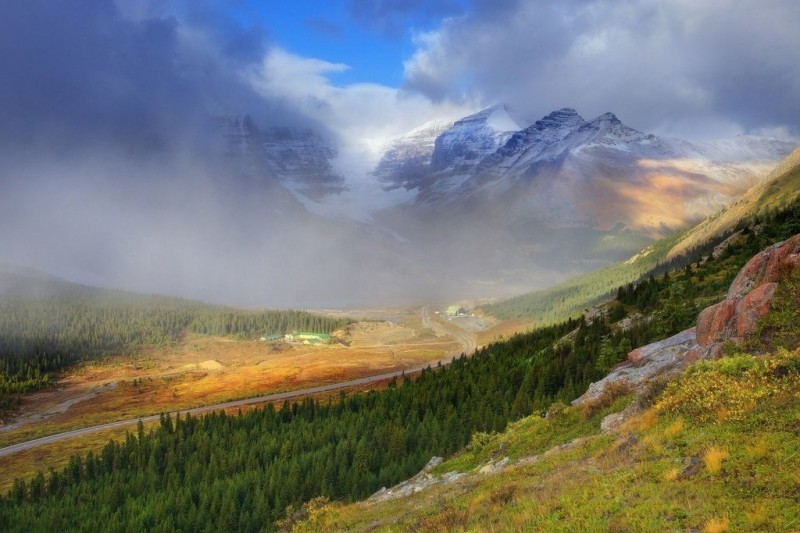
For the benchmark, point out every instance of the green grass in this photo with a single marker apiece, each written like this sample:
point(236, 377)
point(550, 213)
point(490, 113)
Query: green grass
point(667, 470)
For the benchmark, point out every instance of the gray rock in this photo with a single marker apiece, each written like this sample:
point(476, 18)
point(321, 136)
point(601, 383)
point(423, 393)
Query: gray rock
point(646, 363)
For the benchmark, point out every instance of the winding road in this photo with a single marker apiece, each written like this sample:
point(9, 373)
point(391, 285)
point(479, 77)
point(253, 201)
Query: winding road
point(468, 344)
point(467, 341)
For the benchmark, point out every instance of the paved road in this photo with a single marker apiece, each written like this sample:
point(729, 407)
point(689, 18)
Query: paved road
point(467, 342)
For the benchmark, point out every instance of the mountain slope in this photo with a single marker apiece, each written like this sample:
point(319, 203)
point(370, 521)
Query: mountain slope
point(574, 295)
point(350, 448)
point(298, 159)
point(674, 449)
point(408, 159)
point(472, 138)
point(780, 188)
point(666, 470)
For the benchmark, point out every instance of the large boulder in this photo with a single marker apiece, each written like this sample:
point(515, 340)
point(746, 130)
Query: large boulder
point(768, 266)
point(748, 298)
point(645, 363)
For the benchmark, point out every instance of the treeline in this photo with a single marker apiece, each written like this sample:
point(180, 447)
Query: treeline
point(48, 325)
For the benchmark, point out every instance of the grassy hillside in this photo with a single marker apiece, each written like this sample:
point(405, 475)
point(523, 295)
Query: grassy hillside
point(778, 193)
point(714, 449)
point(717, 451)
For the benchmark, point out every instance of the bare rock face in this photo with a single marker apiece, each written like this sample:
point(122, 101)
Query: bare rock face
point(753, 307)
point(748, 298)
point(715, 323)
point(646, 363)
point(420, 482)
point(768, 266)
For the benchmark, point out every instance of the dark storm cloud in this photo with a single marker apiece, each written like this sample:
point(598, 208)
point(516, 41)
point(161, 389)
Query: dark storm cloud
point(394, 17)
point(69, 75)
point(87, 74)
point(245, 44)
point(669, 65)
point(113, 167)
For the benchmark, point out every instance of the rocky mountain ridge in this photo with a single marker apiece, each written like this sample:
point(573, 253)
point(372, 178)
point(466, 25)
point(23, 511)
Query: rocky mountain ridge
point(299, 159)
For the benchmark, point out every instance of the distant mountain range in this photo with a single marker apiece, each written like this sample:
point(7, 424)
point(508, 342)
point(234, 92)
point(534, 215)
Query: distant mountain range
point(490, 206)
point(567, 171)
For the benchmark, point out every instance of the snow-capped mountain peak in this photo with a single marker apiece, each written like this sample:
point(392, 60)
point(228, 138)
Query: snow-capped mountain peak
point(609, 126)
point(472, 138)
point(407, 159)
point(498, 118)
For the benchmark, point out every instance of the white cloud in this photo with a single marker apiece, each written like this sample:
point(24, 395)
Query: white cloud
point(363, 116)
point(655, 64)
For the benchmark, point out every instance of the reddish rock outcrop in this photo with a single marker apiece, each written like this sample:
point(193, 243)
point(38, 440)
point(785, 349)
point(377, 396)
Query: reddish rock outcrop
point(732, 319)
point(715, 323)
point(752, 308)
point(748, 298)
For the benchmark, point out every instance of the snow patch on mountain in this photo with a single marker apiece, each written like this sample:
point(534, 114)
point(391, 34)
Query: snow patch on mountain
point(472, 138)
point(407, 158)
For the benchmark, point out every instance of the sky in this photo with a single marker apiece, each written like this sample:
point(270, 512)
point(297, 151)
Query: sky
point(107, 106)
point(369, 70)
point(677, 67)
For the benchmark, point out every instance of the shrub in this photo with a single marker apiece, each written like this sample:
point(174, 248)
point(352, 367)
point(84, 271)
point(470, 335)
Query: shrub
point(611, 392)
point(781, 326)
point(651, 392)
point(731, 387)
point(713, 458)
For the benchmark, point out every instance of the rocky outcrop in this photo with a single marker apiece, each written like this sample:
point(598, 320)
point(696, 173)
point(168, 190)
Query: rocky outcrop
point(748, 299)
point(731, 320)
point(420, 482)
point(646, 363)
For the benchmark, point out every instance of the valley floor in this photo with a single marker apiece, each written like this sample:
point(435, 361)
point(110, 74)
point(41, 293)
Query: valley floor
point(203, 370)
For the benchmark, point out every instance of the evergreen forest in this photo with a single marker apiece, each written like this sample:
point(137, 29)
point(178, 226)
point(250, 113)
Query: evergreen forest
point(47, 324)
